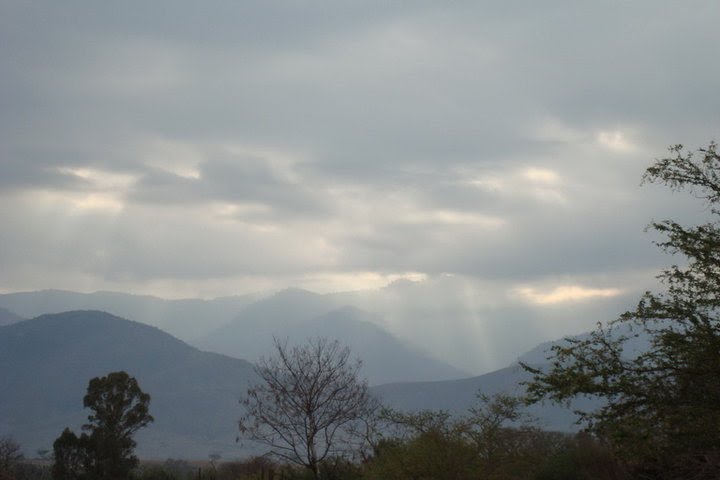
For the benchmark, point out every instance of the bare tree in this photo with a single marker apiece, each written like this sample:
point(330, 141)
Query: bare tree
point(308, 403)
point(10, 455)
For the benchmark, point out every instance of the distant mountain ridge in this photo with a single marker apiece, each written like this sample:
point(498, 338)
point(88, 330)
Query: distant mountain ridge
point(298, 315)
point(46, 363)
point(456, 396)
point(243, 326)
point(7, 317)
point(185, 318)
point(444, 316)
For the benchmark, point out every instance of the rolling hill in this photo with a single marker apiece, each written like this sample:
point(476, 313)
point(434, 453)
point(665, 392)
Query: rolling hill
point(46, 362)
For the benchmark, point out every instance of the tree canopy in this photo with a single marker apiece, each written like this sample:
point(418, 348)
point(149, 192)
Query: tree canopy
point(105, 452)
point(661, 405)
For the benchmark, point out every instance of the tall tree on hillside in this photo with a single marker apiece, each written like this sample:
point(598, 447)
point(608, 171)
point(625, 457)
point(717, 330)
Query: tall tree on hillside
point(119, 408)
point(307, 404)
point(662, 408)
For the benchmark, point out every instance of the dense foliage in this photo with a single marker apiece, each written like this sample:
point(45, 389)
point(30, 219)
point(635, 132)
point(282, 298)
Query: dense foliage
point(105, 450)
point(662, 404)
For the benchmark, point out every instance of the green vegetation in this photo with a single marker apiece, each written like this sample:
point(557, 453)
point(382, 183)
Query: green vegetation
point(494, 440)
point(119, 408)
point(662, 405)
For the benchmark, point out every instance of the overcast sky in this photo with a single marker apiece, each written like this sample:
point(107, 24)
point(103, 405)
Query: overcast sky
point(219, 147)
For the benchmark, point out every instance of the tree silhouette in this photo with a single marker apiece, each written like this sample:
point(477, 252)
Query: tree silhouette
point(119, 408)
point(307, 403)
point(662, 405)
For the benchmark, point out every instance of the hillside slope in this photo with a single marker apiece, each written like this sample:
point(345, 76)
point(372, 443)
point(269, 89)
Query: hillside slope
point(456, 396)
point(46, 362)
point(298, 315)
point(7, 317)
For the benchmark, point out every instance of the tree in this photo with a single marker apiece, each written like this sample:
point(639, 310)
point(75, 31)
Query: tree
point(494, 439)
point(307, 404)
point(662, 405)
point(72, 456)
point(10, 455)
point(119, 409)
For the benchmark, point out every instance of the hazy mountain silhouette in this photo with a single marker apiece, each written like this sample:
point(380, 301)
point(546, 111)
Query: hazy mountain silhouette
point(185, 319)
point(456, 396)
point(298, 315)
point(243, 326)
point(7, 317)
point(46, 362)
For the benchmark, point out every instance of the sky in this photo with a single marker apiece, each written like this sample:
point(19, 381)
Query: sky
point(201, 149)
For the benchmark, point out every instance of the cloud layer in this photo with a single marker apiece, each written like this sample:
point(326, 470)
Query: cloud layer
point(188, 149)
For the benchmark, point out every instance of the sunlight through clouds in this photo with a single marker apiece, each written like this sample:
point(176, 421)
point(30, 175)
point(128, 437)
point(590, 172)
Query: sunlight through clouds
point(565, 294)
point(232, 147)
point(541, 175)
point(615, 140)
point(330, 282)
point(178, 158)
point(100, 179)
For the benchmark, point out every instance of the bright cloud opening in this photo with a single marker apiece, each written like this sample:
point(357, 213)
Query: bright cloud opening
point(615, 141)
point(355, 281)
point(541, 175)
point(565, 294)
point(449, 217)
point(100, 179)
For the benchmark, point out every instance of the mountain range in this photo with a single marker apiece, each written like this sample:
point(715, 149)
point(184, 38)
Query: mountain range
point(243, 327)
point(46, 362)
point(467, 326)
point(185, 319)
point(298, 315)
point(7, 317)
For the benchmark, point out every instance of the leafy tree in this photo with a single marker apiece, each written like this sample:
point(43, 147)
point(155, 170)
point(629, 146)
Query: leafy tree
point(72, 456)
point(426, 444)
point(494, 439)
point(582, 457)
point(307, 404)
point(504, 438)
point(119, 409)
point(662, 405)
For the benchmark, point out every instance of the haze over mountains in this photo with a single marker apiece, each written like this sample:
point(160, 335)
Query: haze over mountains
point(440, 317)
point(7, 317)
point(182, 318)
point(292, 314)
point(297, 315)
point(46, 362)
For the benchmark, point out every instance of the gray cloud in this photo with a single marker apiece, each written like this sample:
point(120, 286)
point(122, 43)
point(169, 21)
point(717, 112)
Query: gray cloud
point(262, 144)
